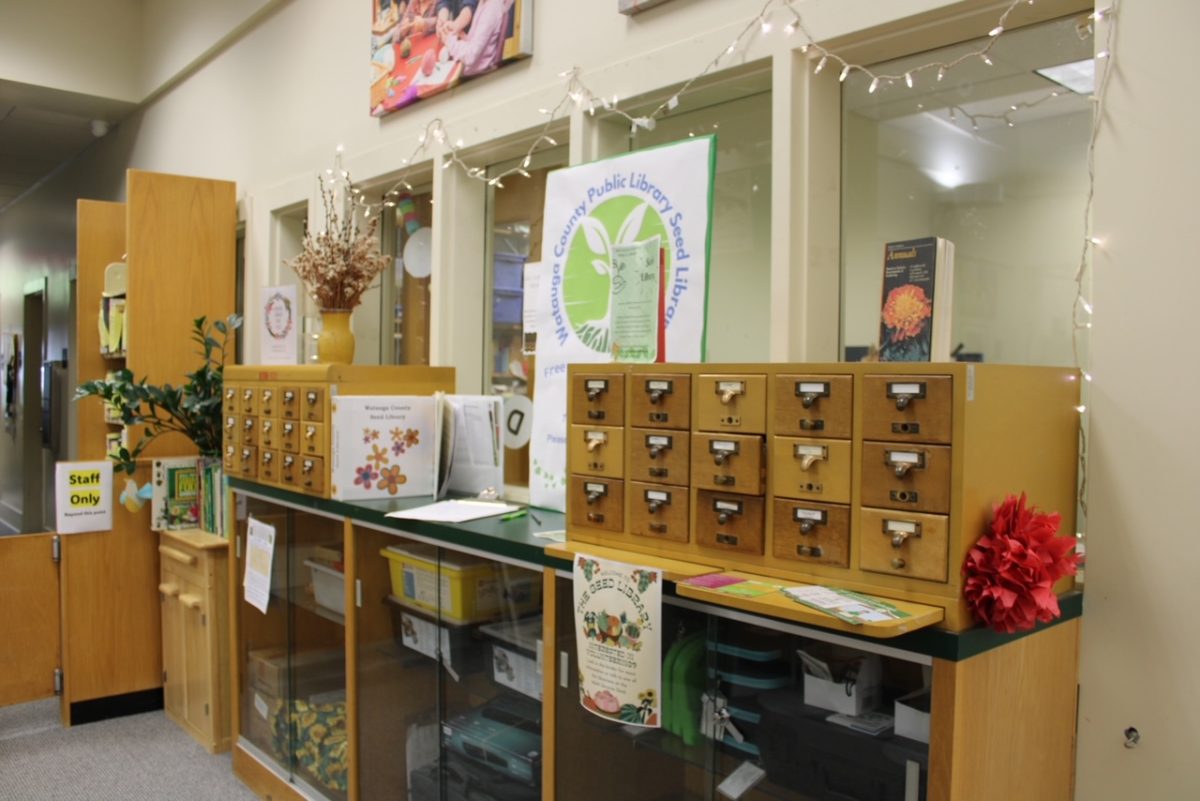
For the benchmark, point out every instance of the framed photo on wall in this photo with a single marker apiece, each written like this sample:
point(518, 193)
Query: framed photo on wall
point(420, 48)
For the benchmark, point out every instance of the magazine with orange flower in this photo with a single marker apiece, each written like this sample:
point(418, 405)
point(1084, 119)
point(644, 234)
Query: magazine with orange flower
point(918, 293)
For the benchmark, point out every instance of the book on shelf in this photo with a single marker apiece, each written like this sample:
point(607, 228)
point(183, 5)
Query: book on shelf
point(176, 487)
point(918, 293)
point(212, 495)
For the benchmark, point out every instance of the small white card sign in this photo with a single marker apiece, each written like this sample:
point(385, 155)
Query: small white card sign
point(260, 552)
point(278, 334)
point(83, 496)
point(618, 634)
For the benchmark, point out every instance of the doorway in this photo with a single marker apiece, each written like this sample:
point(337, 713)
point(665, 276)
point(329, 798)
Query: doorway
point(34, 513)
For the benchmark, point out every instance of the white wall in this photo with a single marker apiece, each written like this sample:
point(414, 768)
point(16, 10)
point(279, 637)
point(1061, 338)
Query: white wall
point(1140, 641)
point(87, 47)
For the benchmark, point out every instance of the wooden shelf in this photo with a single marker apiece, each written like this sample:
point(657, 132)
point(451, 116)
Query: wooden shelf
point(673, 569)
point(197, 538)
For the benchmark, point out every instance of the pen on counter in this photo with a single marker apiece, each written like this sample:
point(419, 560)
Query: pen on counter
point(514, 515)
point(536, 519)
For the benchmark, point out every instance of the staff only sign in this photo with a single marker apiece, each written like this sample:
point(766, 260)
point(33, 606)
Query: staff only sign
point(83, 496)
point(594, 214)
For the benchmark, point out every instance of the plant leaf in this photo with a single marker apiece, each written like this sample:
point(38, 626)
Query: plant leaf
point(597, 236)
point(632, 225)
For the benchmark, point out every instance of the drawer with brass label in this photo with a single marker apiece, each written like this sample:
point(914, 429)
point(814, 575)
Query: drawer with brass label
point(731, 403)
point(658, 511)
point(248, 431)
point(230, 404)
point(598, 399)
point(229, 458)
point(312, 439)
point(916, 408)
point(814, 405)
point(248, 403)
point(266, 402)
point(661, 400)
point(248, 461)
point(289, 403)
point(729, 522)
point(596, 503)
point(659, 456)
point(311, 477)
point(728, 462)
point(232, 433)
point(903, 544)
point(812, 468)
point(906, 476)
point(312, 404)
point(268, 468)
point(289, 436)
point(597, 451)
point(268, 433)
point(811, 532)
point(289, 468)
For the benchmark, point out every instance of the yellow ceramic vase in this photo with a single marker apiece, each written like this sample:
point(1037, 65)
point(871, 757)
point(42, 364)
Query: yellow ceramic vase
point(335, 345)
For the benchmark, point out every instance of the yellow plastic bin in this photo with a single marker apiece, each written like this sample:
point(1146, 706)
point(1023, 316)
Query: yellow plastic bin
point(469, 588)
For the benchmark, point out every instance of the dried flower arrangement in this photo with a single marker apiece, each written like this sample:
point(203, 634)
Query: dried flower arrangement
point(339, 263)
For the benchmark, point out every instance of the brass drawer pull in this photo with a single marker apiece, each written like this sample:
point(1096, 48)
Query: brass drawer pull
point(808, 550)
point(898, 563)
point(810, 455)
point(596, 388)
point(728, 390)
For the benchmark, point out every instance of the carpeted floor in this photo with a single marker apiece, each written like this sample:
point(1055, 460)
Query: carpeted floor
point(131, 759)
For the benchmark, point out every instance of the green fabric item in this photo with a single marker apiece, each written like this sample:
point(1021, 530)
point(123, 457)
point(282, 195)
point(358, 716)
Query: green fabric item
point(689, 684)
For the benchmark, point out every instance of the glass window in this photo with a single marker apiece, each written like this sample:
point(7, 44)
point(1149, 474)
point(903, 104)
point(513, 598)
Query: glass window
point(992, 159)
point(738, 111)
point(405, 298)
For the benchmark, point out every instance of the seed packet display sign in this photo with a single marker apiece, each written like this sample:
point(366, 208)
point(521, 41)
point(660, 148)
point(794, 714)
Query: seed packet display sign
point(618, 624)
point(384, 447)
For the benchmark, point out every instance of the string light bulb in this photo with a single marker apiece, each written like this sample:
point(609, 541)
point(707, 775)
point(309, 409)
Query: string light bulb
point(790, 29)
point(820, 65)
point(908, 79)
point(845, 72)
point(986, 59)
point(941, 72)
point(874, 85)
point(766, 26)
point(994, 32)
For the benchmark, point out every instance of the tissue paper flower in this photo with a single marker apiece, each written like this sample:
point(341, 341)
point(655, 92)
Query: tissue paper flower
point(1010, 572)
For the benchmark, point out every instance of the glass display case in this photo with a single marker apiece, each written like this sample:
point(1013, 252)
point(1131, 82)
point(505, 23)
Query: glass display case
point(786, 710)
point(448, 678)
point(291, 687)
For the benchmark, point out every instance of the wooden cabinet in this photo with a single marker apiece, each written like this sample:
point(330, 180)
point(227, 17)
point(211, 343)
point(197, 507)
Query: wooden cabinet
point(178, 237)
point(193, 592)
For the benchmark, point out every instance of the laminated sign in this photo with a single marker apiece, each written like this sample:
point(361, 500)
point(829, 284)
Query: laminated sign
point(83, 496)
point(624, 277)
point(618, 634)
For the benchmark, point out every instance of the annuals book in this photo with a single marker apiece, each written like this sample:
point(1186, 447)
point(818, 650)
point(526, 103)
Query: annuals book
point(918, 294)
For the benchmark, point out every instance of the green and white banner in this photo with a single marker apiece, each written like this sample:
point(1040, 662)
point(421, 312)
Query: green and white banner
point(588, 312)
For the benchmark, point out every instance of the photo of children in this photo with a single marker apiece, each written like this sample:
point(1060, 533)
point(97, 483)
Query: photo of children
point(422, 47)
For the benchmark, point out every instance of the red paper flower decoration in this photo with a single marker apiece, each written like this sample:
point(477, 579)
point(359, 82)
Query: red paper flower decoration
point(1010, 573)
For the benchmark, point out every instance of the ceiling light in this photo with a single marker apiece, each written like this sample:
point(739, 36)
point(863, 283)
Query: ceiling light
point(1078, 76)
point(99, 128)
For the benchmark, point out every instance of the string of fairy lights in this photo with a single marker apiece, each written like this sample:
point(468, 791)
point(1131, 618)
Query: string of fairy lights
point(578, 95)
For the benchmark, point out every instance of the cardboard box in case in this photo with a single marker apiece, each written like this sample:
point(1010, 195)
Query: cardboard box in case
point(314, 671)
point(858, 692)
point(515, 646)
point(912, 715)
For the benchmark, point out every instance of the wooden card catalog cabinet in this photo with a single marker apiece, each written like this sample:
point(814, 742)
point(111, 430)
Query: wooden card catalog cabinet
point(875, 477)
point(278, 420)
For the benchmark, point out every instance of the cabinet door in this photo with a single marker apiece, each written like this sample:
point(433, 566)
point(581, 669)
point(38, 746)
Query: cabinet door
point(197, 656)
point(172, 637)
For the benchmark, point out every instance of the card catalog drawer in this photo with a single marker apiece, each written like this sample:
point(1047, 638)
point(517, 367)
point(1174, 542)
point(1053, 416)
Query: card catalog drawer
point(661, 400)
point(814, 405)
point(598, 399)
point(289, 403)
point(658, 511)
point(248, 461)
point(311, 477)
point(312, 404)
point(906, 476)
point(268, 467)
point(289, 468)
point(597, 451)
point(728, 462)
point(230, 404)
point(289, 436)
point(812, 468)
point(248, 404)
point(267, 401)
point(811, 532)
point(731, 403)
point(268, 433)
point(903, 544)
point(659, 456)
point(729, 522)
point(312, 439)
point(248, 431)
point(229, 458)
point(918, 408)
point(596, 503)
point(232, 434)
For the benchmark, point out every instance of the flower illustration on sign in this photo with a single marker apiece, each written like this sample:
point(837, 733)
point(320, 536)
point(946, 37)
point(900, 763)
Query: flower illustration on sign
point(390, 479)
point(587, 284)
point(378, 456)
point(364, 475)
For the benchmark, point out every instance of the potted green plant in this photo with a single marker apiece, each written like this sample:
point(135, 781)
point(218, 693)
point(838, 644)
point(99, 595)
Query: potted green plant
point(192, 409)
